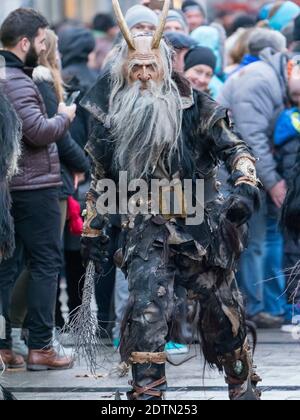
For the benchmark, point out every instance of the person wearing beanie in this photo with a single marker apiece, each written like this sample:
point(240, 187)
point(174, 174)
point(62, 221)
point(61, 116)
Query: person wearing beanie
point(195, 13)
point(243, 20)
point(105, 32)
point(213, 37)
point(141, 19)
point(259, 39)
point(176, 22)
point(262, 38)
point(200, 64)
point(75, 46)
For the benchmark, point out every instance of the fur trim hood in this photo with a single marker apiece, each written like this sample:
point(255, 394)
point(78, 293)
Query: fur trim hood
point(42, 74)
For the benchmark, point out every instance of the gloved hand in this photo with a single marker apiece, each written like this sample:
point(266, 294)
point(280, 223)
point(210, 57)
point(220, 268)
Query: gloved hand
point(93, 249)
point(241, 205)
point(93, 239)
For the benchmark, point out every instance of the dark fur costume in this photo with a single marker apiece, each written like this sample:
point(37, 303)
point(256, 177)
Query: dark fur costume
point(161, 254)
point(10, 136)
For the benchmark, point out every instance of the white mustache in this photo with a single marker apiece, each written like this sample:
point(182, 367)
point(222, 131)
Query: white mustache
point(145, 123)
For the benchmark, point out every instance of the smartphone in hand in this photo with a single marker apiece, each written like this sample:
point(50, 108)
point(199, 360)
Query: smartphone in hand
point(72, 98)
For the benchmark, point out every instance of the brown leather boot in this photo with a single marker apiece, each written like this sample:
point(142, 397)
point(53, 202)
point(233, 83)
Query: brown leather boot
point(11, 360)
point(40, 360)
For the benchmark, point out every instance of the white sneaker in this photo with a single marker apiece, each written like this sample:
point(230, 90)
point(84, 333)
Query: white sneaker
point(291, 328)
point(18, 345)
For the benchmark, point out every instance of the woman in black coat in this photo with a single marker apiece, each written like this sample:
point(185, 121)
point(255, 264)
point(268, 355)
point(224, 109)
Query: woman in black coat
point(72, 156)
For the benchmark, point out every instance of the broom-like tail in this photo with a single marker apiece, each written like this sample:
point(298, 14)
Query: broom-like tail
point(83, 327)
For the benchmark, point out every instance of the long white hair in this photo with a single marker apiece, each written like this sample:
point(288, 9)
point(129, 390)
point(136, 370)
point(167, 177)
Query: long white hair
point(145, 124)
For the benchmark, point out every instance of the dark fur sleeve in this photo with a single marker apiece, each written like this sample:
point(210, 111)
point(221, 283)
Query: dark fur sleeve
point(227, 145)
point(10, 138)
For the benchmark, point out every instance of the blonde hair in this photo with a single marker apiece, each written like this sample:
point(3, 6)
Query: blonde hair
point(241, 47)
point(49, 59)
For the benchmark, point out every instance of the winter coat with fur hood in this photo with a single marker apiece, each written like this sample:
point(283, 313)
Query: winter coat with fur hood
point(39, 166)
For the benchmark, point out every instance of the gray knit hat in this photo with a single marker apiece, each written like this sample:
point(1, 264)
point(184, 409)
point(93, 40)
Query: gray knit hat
point(141, 14)
point(194, 5)
point(178, 16)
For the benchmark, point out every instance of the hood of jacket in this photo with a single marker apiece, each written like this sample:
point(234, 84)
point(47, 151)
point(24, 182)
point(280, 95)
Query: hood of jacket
point(42, 74)
point(278, 62)
point(75, 45)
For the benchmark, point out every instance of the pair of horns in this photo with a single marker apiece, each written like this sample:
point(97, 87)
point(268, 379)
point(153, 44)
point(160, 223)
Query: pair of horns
point(126, 32)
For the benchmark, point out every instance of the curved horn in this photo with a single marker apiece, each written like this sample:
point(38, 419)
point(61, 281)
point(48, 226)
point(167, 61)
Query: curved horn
point(160, 30)
point(123, 25)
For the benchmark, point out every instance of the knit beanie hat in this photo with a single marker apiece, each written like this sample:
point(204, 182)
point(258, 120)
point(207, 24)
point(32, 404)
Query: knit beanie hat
point(141, 14)
point(194, 5)
point(200, 55)
point(178, 17)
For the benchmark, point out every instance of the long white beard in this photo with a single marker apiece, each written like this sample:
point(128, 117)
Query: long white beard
point(146, 125)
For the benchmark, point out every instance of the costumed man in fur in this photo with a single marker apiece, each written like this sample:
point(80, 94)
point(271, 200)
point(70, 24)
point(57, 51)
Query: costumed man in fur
point(10, 136)
point(152, 125)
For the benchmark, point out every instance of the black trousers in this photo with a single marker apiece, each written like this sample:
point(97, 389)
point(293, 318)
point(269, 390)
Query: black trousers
point(75, 272)
point(37, 229)
point(105, 285)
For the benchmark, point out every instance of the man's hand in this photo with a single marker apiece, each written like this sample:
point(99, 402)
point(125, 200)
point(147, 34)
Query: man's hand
point(70, 111)
point(278, 193)
point(78, 179)
point(94, 249)
point(94, 240)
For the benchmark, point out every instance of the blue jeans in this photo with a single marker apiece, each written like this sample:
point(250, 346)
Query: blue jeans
point(274, 287)
point(251, 271)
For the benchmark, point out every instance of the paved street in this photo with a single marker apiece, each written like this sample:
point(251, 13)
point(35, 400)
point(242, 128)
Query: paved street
point(278, 358)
